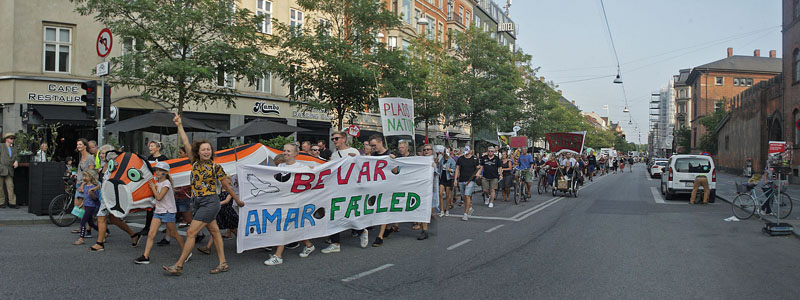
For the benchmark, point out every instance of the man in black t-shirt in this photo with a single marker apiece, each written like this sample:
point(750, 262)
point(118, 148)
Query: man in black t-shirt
point(378, 149)
point(491, 175)
point(324, 152)
point(467, 168)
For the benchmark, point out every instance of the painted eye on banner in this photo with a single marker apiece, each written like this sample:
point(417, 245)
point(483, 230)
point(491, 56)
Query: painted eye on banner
point(134, 175)
point(112, 165)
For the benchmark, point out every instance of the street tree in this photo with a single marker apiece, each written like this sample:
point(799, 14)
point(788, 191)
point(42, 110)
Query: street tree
point(708, 142)
point(182, 52)
point(335, 64)
point(485, 82)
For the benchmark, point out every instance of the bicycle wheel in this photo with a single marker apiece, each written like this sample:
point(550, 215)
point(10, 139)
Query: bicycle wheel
point(785, 206)
point(540, 187)
point(60, 210)
point(743, 206)
point(518, 194)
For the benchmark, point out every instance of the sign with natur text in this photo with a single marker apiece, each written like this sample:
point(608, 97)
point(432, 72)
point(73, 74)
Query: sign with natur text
point(104, 42)
point(397, 116)
point(289, 204)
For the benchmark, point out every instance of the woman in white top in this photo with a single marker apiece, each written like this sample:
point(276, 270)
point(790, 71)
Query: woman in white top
point(290, 152)
point(41, 155)
point(165, 210)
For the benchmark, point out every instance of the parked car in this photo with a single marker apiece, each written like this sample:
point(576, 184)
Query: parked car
point(654, 169)
point(681, 170)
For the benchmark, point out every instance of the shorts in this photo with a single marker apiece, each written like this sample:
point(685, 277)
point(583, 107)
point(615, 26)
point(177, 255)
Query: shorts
point(591, 168)
point(206, 208)
point(466, 188)
point(443, 181)
point(527, 176)
point(487, 183)
point(165, 217)
point(183, 205)
point(507, 182)
point(102, 210)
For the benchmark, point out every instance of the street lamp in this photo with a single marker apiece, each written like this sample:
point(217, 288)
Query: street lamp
point(625, 109)
point(423, 21)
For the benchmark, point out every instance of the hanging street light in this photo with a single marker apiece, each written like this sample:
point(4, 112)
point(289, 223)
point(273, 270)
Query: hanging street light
point(626, 109)
point(618, 80)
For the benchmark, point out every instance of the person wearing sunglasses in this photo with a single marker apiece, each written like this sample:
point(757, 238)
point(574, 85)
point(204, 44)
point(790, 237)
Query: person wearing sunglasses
point(427, 150)
point(315, 152)
point(339, 139)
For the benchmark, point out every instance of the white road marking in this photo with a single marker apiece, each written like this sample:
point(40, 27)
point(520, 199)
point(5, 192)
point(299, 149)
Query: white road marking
point(362, 274)
point(494, 228)
point(656, 195)
point(483, 218)
point(461, 243)
point(540, 209)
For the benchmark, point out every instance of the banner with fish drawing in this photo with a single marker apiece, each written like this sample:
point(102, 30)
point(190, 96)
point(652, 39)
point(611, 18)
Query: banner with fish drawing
point(284, 205)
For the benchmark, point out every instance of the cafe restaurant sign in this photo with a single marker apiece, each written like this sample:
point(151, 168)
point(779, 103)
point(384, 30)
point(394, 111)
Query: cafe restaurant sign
point(66, 93)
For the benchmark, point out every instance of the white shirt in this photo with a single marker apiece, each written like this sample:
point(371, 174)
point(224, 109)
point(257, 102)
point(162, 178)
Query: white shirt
point(340, 154)
point(572, 162)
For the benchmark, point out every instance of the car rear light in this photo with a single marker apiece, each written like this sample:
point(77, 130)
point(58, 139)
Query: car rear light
point(655, 167)
point(714, 175)
point(670, 173)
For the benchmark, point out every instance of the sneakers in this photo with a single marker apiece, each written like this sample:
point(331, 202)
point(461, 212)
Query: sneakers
point(471, 210)
point(441, 214)
point(163, 242)
point(423, 236)
point(446, 213)
point(354, 233)
point(486, 201)
point(491, 205)
point(142, 260)
point(364, 239)
point(188, 257)
point(273, 261)
point(465, 217)
point(378, 242)
point(332, 248)
point(307, 251)
point(294, 245)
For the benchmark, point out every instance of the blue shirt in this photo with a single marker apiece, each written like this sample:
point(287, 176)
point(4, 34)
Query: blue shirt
point(87, 197)
point(525, 161)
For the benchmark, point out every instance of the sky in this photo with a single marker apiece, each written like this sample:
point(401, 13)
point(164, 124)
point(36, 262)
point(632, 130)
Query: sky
point(654, 39)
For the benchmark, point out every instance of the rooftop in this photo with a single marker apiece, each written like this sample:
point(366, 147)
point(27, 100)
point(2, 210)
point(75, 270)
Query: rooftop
point(741, 64)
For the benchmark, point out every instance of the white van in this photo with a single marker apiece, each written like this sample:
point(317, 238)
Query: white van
point(679, 174)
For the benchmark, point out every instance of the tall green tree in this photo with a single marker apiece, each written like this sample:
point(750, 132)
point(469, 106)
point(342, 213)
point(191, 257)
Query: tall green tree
point(186, 52)
point(485, 81)
point(708, 142)
point(335, 64)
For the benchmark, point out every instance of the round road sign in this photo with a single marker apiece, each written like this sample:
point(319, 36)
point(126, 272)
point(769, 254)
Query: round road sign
point(104, 42)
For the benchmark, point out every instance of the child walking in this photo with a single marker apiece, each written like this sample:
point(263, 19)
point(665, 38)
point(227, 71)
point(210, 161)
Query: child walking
point(90, 203)
point(164, 212)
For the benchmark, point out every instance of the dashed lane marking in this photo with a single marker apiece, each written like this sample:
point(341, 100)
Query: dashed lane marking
point(365, 273)
point(494, 228)
point(459, 244)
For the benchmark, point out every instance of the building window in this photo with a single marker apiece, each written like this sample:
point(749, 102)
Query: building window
point(461, 15)
point(325, 25)
point(441, 32)
point(264, 8)
point(264, 84)
point(727, 141)
point(129, 47)
point(683, 93)
point(57, 49)
point(440, 3)
point(392, 42)
point(296, 19)
point(796, 115)
point(417, 16)
point(466, 20)
point(743, 81)
point(719, 80)
point(796, 9)
point(406, 45)
point(405, 9)
point(225, 80)
point(796, 65)
point(736, 82)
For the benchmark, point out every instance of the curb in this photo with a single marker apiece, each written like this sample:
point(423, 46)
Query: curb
point(794, 232)
point(47, 221)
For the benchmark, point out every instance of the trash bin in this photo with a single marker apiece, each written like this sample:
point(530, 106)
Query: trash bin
point(45, 183)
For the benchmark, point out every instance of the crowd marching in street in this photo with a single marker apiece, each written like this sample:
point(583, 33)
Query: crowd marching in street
point(207, 203)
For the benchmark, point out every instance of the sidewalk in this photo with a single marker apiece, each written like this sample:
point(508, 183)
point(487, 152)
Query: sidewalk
point(21, 216)
point(726, 191)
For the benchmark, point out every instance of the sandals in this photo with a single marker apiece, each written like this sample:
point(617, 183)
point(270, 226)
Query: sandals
point(204, 250)
point(78, 242)
point(76, 231)
point(223, 267)
point(173, 270)
point(102, 247)
point(136, 238)
point(415, 227)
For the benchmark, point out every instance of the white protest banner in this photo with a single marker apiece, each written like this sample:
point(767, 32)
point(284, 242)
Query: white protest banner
point(284, 205)
point(397, 116)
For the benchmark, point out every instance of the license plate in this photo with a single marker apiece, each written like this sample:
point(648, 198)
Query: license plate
point(691, 184)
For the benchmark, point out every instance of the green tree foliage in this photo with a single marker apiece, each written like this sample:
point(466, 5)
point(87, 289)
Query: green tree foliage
point(485, 81)
point(335, 65)
point(708, 142)
point(183, 49)
point(684, 136)
point(277, 142)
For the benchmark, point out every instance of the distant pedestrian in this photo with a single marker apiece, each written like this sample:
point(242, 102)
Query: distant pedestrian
point(447, 169)
point(306, 148)
point(41, 154)
point(427, 150)
point(466, 170)
point(85, 162)
point(323, 150)
point(90, 201)
point(8, 162)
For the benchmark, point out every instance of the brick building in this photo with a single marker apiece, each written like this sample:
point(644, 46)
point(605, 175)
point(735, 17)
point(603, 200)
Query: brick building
point(791, 71)
point(724, 79)
point(754, 119)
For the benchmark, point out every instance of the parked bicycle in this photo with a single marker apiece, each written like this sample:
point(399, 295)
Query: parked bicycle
point(748, 201)
point(60, 208)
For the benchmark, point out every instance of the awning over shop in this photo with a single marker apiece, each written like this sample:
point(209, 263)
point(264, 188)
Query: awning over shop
point(68, 115)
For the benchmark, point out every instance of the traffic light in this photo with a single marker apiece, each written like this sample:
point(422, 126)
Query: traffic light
point(107, 102)
point(90, 99)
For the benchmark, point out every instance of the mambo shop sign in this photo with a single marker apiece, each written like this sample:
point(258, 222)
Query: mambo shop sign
point(397, 116)
point(284, 205)
point(572, 141)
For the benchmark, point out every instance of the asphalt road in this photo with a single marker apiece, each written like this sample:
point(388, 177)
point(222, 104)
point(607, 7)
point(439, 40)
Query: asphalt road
point(616, 240)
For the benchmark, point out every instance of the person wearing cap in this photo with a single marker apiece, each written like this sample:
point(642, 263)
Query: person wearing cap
point(8, 162)
point(164, 212)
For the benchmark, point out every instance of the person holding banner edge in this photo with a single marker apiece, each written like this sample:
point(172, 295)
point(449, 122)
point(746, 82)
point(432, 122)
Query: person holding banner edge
point(204, 178)
point(290, 150)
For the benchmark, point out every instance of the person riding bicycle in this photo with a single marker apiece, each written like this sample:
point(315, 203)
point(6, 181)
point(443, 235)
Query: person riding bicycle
point(524, 164)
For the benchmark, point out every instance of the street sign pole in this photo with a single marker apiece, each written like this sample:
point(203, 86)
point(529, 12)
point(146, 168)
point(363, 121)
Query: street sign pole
point(102, 108)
